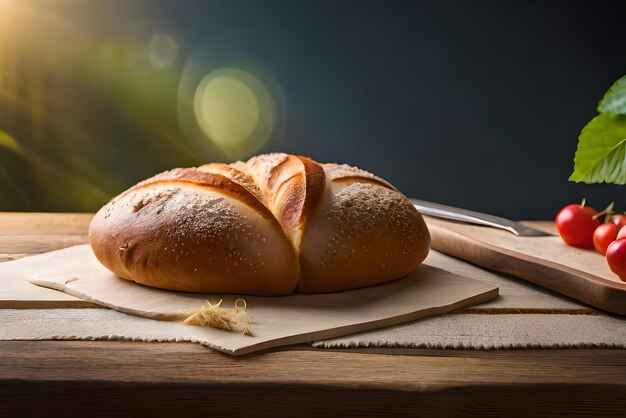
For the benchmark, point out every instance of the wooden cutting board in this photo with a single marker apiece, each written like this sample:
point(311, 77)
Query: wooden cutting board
point(546, 261)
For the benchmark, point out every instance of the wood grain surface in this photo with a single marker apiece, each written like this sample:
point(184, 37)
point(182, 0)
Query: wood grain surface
point(546, 261)
point(105, 378)
point(24, 234)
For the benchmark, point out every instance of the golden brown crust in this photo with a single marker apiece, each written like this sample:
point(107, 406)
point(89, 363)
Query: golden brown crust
point(315, 184)
point(362, 234)
point(179, 236)
point(236, 173)
point(261, 227)
point(207, 179)
point(342, 172)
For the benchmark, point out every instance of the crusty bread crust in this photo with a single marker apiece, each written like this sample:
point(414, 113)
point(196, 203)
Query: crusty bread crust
point(265, 227)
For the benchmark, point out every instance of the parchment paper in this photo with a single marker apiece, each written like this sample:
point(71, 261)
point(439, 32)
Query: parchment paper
point(275, 321)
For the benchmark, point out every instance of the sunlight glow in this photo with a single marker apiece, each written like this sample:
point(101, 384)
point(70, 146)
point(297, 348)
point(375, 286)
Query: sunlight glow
point(8, 141)
point(5, 9)
point(227, 110)
point(234, 110)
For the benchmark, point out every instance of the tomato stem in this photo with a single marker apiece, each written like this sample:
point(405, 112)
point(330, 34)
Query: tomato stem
point(608, 211)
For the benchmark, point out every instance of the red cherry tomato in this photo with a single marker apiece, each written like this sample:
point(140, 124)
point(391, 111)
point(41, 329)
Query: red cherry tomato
point(616, 258)
point(619, 221)
point(603, 236)
point(576, 225)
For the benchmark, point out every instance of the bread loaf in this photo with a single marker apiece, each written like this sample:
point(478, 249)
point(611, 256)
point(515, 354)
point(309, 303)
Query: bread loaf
point(272, 225)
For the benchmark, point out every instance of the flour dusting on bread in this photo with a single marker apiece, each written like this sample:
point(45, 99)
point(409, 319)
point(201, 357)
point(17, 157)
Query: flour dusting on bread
point(263, 227)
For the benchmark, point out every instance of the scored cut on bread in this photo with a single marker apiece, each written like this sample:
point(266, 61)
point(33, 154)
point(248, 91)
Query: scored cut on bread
point(270, 226)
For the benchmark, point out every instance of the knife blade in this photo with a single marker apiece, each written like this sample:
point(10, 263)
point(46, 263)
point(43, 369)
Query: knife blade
point(438, 210)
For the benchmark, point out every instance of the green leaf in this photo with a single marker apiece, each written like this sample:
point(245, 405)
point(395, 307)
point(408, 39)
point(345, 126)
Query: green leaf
point(614, 100)
point(601, 153)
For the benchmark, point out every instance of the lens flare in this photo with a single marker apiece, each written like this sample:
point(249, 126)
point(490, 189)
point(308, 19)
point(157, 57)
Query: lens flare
point(235, 111)
point(163, 50)
point(226, 109)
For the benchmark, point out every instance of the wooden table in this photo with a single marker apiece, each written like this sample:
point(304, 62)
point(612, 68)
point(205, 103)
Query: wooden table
point(104, 378)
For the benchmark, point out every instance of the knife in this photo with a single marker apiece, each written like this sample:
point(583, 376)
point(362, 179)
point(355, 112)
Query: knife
point(438, 210)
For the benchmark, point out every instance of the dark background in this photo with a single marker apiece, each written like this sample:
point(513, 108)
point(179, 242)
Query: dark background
point(476, 104)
